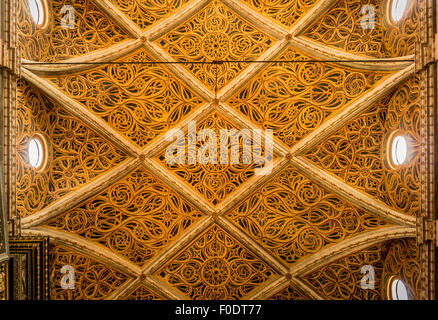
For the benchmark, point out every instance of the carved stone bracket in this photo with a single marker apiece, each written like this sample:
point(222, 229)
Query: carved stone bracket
point(10, 58)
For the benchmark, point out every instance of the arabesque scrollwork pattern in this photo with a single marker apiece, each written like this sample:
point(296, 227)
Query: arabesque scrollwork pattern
point(284, 12)
point(289, 293)
point(357, 153)
point(92, 30)
point(92, 279)
point(76, 154)
point(215, 33)
point(138, 100)
point(215, 182)
point(135, 217)
point(341, 279)
point(138, 218)
point(147, 13)
point(293, 217)
point(295, 99)
point(345, 27)
point(215, 266)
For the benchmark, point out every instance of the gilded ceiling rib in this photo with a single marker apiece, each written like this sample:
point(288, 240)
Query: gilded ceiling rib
point(166, 254)
point(79, 195)
point(252, 245)
point(327, 53)
point(125, 291)
point(266, 291)
point(163, 26)
point(349, 193)
point(109, 54)
point(169, 179)
point(251, 70)
point(298, 283)
point(240, 121)
point(178, 70)
point(267, 288)
point(157, 145)
point(173, 293)
point(82, 113)
point(351, 110)
point(97, 252)
point(348, 246)
point(281, 284)
point(119, 18)
point(122, 289)
point(251, 186)
point(312, 15)
point(257, 19)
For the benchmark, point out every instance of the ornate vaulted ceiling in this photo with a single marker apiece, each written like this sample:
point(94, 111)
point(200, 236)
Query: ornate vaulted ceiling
point(135, 227)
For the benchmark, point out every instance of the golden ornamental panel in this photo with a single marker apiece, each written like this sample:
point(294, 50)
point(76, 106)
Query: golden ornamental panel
point(358, 152)
point(293, 217)
point(356, 28)
point(92, 279)
point(215, 182)
point(341, 279)
point(75, 153)
point(284, 12)
point(147, 13)
point(289, 293)
point(215, 266)
point(295, 99)
point(136, 217)
point(140, 101)
point(142, 293)
point(215, 33)
point(403, 262)
point(92, 30)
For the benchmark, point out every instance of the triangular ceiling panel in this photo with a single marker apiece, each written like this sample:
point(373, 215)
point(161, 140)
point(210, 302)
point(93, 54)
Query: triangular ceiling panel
point(358, 152)
point(76, 153)
point(215, 266)
point(364, 27)
point(345, 279)
point(93, 279)
point(92, 30)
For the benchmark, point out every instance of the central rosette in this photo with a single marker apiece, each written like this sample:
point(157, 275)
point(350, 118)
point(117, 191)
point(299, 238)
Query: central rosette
point(215, 272)
point(215, 46)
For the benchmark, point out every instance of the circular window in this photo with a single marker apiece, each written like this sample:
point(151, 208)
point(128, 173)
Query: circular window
point(37, 11)
point(36, 152)
point(399, 291)
point(398, 9)
point(399, 150)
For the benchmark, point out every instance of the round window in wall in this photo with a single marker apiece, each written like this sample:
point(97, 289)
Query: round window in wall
point(37, 152)
point(399, 291)
point(37, 11)
point(398, 149)
point(398, 9)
